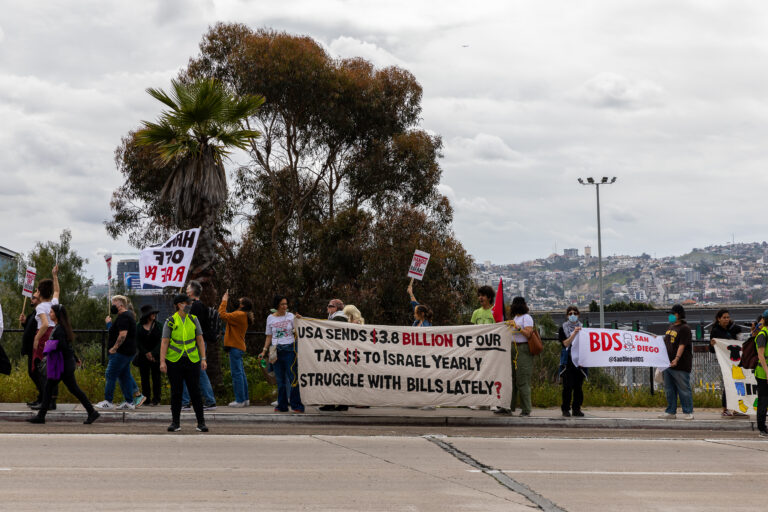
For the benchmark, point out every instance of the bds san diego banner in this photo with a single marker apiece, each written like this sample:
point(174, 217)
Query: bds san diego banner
point(381, 365)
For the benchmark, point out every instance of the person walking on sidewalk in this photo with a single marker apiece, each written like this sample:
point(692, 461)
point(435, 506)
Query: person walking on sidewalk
point(234, 343)
point(182, 357)
point(761, 375)
point(148, 336)
point(47, 295)
point(202, 313)
point(724, 328)
point(573, 376)
point(279, 333)
point(29, 324)
point(677, 378)
point(61, 366)
point(122, 350)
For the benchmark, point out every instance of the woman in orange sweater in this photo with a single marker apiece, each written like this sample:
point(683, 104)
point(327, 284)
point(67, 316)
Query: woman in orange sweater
point(234, 343)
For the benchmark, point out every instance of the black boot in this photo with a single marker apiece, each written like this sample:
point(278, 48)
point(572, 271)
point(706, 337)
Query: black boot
point(92, 416)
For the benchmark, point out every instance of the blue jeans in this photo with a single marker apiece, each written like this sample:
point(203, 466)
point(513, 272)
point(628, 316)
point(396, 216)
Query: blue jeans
point(239, 380)
point(205, 389)
point(119, 369)
point(287, 375)
point(678, 383)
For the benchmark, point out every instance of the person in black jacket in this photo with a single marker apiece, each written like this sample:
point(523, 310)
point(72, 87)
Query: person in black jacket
point(148, 337)
point(723, 328)
point(65, 336)
point(573, 376)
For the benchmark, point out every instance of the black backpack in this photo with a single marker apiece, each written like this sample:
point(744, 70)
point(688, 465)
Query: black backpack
point(749, 357)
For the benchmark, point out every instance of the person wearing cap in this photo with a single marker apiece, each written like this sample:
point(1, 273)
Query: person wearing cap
point(182, 357)
point(677, 378)
point(761, 375)
point(148, 336)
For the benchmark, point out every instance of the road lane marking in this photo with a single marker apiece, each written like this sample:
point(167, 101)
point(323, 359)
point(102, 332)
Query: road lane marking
point(620, 473)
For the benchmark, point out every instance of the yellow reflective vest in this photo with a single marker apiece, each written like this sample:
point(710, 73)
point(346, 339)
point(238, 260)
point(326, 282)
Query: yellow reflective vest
point(182, 341)
point(759, 372)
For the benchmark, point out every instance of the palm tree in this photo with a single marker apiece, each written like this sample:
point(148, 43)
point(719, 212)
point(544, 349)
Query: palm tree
point(202, 124)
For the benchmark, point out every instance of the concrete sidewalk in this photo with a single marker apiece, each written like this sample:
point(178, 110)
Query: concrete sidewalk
point(603, 417)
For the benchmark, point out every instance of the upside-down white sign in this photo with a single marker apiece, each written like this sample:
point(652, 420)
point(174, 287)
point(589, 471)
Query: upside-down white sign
point(350, 364)
point(611, 347)
point(168, 264)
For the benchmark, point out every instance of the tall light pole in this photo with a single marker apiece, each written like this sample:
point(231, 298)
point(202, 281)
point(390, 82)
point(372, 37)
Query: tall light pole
point(603, 181)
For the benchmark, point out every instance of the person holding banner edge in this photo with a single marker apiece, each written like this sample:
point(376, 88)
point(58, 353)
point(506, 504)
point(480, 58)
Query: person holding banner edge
point(677, 378)
point(724, 328)
point(522, 362)
point(573, 376)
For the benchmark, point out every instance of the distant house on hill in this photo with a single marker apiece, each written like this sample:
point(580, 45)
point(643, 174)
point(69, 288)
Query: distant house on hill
point(7, 258)
point(688, 302)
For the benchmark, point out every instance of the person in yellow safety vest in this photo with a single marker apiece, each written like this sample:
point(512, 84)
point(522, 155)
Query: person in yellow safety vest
point(182, 356)
point(761, 376)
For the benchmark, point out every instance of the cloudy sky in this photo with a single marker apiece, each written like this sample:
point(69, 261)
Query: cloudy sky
point(670, 97)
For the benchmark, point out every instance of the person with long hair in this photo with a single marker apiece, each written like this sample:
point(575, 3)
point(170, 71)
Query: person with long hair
point(724, 328)
point(573, 376)
point(422, 314)
point(522, 360)
point(234, 344)
point(61, 366)
point(149, 333)
point(279, 333)
point(353, 314)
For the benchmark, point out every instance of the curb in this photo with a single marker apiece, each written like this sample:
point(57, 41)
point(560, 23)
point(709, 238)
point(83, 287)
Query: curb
point(388, 420)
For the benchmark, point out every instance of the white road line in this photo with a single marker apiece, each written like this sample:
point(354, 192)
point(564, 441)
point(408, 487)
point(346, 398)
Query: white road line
point(5, 469)
point(617, 473)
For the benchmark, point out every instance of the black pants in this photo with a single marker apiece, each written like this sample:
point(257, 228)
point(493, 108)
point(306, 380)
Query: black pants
point(37, 376)
point(180, 372)
point(68, 378)
point(573, 380)
point(762, 403)
point(152, 392)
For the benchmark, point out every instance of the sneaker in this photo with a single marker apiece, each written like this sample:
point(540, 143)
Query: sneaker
point(36, 419)
point(688, 416)
point(126, 406)
point(327, 408)
point(274, 404)
point(139, 400)
point(727, 414)
point(298, 411)
point(247, 403)
point(277, 409)
point(91, 417)
point(763, 433)
point(236, 404)
point(502, 411)
point(105, 405)
point(201, 427)
point(567, 414)
point(210, 407)
point(174, 427)
point(667, 416)
point(578, 414)
point(186, 407)
point(525, 414)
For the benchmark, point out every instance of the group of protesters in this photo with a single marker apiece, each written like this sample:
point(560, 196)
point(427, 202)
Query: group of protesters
point(177, 347)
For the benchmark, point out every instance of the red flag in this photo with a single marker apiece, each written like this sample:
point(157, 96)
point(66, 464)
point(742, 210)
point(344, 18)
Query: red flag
point(498, 304)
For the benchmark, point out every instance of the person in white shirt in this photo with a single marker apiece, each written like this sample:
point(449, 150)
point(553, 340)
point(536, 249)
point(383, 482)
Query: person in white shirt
point(279, 333)
point(47, 293)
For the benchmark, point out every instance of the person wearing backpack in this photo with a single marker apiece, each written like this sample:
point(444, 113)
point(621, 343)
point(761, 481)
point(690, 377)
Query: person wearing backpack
point(724, 328)
point(761, 376)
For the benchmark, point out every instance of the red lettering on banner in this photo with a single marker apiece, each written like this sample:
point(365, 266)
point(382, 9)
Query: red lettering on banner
point(419, 260)
point(180, 274)
point(150, 272)
point(594, 342)
point(619, 346)
point(166, 274)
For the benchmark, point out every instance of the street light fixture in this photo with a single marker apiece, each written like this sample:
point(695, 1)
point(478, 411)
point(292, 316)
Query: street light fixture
point(603, 181)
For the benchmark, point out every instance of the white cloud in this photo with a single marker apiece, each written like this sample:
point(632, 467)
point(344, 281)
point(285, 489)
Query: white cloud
point(611, 90)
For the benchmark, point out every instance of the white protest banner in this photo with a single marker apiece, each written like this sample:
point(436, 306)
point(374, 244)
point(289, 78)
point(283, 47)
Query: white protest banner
point(739, 383)
point(29, 282)
point(168, 264)
point(418, 264)
point(611, 347)
point(351, 364)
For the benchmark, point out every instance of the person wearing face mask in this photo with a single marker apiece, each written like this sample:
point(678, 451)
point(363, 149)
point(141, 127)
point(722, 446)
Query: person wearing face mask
point(122, 350)
point(573, 376)
point(234, 344)
point(724, 328)
point(182, 357)
point(677, 378)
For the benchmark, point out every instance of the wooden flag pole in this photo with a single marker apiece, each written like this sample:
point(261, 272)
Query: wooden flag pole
point(23, 308)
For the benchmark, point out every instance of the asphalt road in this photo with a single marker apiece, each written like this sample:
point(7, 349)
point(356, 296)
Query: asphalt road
point(397, 471)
